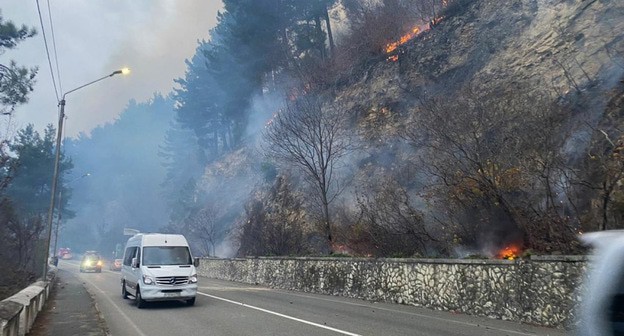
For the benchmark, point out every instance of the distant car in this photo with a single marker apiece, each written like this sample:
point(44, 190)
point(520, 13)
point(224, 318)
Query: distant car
point(64, 253)
point(91, 261)
point(115, 265)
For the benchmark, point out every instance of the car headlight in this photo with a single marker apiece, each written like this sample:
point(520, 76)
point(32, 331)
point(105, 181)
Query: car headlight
point(87, 263)
point(193, 279)
point(99, 263)
point(148, 280)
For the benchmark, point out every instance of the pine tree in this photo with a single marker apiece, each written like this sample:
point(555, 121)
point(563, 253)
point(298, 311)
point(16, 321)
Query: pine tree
point(15, 81)
point(34, 162)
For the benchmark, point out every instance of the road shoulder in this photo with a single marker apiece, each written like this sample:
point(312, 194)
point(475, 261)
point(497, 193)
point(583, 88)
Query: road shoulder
point(71, 310)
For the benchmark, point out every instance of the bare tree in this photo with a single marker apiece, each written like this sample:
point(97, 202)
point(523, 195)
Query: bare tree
point(312, 137)
point(18, 254)
point(274, 222)
point(206, 228)
point(497, 159)
point(22, 235)
point(602, 174)
point(390, 221)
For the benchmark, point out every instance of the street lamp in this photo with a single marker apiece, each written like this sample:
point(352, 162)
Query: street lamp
point(56, 162)
point(60, 214)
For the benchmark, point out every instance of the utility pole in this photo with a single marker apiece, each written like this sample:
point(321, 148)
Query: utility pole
point(56, 165)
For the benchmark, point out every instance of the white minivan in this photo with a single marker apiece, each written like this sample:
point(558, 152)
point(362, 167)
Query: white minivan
point(158, 267)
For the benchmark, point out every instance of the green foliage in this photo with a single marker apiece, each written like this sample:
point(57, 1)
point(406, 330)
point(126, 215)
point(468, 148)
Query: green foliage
point(16, 82)
point(34, 161)
point(11, 35)
point(182, 157)
point(185, 202)
point(254, 39)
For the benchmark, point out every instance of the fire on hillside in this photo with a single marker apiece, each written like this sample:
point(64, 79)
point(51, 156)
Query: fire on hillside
point(509, 252)
point(391, 48)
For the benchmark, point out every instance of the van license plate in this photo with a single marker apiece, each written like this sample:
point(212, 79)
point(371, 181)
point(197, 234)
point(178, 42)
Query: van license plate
point(172, 294)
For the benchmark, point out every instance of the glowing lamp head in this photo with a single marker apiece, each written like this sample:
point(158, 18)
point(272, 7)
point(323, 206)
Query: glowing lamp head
point(123, 71)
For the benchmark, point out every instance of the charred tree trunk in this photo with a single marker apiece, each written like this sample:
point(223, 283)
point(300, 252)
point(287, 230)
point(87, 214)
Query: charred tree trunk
point(606, 198)
point(330, 36)
point(320, 34)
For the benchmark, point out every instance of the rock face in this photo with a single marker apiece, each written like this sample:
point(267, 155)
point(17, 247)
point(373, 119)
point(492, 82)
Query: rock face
point(559, 47)
point(541, 291)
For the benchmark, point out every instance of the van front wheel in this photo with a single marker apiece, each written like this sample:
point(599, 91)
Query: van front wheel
point(140, 303)
point(124, 293)
point(190, 302)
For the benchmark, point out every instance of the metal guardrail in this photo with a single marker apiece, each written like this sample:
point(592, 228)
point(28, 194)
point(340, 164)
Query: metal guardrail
point(18, 312)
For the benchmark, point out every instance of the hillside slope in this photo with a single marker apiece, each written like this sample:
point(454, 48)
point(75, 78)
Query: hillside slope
point(515, 183)
point(571, 52)
point(557, 46)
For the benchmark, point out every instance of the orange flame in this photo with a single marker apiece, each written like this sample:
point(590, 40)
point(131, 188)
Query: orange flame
point(509, 252)
point(390, 47)
point(415, 31)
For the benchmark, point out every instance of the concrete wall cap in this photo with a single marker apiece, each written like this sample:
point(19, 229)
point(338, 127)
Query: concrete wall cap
point(42, 284)
point(564, 258)
point(25, 295)
point(9, 310)
point(484, 261)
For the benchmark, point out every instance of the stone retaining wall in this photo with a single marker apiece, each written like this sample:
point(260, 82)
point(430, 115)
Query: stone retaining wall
point(18, 312)
point(541, 290)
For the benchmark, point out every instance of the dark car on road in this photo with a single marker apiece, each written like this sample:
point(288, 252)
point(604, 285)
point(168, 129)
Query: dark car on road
point(91, 261)
point(115, 265)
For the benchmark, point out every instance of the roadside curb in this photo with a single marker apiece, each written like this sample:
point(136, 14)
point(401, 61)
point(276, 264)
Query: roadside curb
point(100, 315)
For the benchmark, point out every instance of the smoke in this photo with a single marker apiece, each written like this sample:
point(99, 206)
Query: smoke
point(94, 39)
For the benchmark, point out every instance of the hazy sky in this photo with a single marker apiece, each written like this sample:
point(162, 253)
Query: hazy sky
point(95, 38)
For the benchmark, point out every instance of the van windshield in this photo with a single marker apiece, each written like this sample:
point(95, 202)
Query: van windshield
point(166, 255)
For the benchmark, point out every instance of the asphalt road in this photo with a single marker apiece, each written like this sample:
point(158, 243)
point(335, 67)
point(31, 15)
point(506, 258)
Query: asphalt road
point(228, 308)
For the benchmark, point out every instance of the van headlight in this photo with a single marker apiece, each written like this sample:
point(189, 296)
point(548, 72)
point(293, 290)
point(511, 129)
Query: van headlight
point(193, 279)
point(148, 280)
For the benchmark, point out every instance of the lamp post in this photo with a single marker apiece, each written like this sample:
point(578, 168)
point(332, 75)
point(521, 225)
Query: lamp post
point(60, 215)
point(56, 163)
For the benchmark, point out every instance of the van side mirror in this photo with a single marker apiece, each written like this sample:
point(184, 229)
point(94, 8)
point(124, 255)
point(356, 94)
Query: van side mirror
point(135, 262)
point(196, 262)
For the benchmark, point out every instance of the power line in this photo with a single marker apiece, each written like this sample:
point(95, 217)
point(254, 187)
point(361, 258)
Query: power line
point(58, 72)
point(45, 41)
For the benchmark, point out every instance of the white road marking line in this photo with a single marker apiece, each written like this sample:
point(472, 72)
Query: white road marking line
point(417, 314)
point(134, 326)
point(281, 315)
point(408, 313)
point(235, 288)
